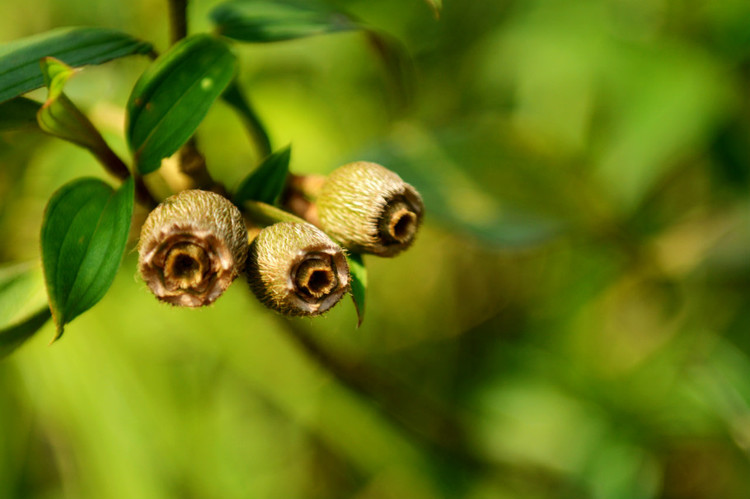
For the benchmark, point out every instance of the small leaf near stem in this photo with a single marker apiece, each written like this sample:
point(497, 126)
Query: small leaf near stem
point(61, 118)
point(266, 183)
point(358, 274)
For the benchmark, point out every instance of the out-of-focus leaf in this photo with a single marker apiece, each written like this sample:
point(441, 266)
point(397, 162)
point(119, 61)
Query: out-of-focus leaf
point(732, 158)
point(173, 96)
point(83, 237)
point(267, 182)
point(19, 59)
point(396, 63)
point(234, 97)
point(18, 113)
point(358, 273)
point(453, 198)
point(273, 21)
point(436, 6)
point(23, 305)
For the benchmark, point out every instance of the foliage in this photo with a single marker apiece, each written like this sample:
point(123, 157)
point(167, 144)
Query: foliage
point(572, 322)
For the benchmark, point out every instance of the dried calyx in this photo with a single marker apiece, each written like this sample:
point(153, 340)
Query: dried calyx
point(369, 209)
point(296, 269)
point(192, 246)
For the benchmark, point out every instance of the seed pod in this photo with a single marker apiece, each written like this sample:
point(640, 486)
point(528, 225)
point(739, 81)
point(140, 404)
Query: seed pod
point(192, 246)
point(369, 209)
point(295, 269)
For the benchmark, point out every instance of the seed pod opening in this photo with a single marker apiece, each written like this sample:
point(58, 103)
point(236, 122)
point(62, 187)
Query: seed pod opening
point(295, 269)
point(369, 209)
point(192, 246)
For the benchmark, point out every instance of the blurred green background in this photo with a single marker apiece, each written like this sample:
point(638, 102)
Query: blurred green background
point(573, 321)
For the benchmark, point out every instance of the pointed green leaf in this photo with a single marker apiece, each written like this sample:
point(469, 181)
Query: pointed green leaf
point(56, 74)
point(273, 20)
point(19, 59)
point(60, 117)
point(358, 273)
point(267, 182)
point(173, 96)
point(23, 304)
point(83, 237)
point(18, 113)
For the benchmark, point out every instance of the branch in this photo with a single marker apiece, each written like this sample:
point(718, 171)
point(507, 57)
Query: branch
point(191, 162)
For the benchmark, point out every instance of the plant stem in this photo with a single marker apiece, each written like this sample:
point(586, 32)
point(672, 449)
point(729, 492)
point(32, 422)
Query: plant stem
point(177, 20)
point(235, 98)
point(191, 162)
point(115, 166)
point(263, 214)
point(300, 194)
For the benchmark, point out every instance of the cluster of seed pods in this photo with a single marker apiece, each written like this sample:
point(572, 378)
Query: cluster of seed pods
point(195, 243)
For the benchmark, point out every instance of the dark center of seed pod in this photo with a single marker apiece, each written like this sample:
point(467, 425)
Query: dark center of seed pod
point(186, 265)
point(399, 222)
point(315, 277)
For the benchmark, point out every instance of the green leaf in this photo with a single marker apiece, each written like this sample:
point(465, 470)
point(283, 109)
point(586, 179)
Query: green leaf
point(436, 6)
point(358, 273)
point(18, 113)
point(173, 96)
point(19, 59)
point(273, 21)
point(267, 182)
point(396, 62)
point(59, 116)
point(23, 304)
point(83, 237)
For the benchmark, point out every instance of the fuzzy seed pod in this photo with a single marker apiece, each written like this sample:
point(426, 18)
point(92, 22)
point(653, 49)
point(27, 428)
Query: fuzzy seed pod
point(369, 209)
point(296, 269)
point(192, 246)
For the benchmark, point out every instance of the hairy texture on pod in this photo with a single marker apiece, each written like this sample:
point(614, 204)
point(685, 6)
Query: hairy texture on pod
point(295, 269)
point(369, 209)
point(192, 246)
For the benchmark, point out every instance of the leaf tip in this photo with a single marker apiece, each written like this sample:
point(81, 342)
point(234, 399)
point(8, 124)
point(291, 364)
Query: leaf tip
point(59, 329)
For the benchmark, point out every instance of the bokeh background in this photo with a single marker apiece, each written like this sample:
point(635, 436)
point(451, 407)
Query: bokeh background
point(573, 321)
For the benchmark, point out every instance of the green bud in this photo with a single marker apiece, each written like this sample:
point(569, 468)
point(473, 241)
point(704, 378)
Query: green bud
point(295, 269)
point(369, 209)
point(192, 246)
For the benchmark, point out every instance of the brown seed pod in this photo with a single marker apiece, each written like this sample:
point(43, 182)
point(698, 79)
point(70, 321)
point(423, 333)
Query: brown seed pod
point(295, 269)
point(192, 246)
point(369, 209)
